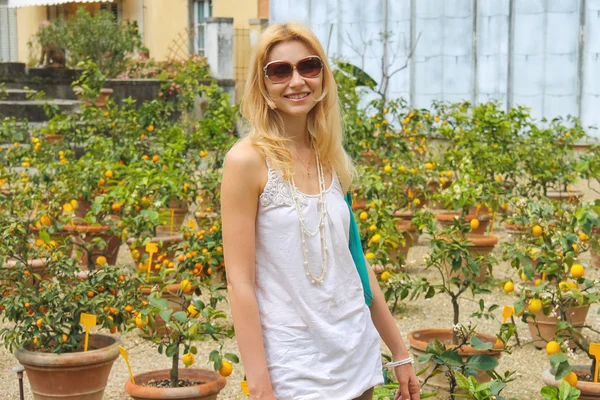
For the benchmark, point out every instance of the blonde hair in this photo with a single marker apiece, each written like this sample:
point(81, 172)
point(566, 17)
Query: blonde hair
point(324, 121)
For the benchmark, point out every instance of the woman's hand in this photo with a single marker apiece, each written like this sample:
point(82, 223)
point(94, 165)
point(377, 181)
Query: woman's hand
point(409, 384)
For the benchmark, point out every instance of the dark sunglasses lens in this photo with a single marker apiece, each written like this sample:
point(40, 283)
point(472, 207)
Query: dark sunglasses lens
point(279, 72)
point(310, 67)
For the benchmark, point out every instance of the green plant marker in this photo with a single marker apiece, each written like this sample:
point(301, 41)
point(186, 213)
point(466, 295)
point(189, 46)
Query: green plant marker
point(595, 351)
point(151, 248)
point(87, 320)
point(126, 357)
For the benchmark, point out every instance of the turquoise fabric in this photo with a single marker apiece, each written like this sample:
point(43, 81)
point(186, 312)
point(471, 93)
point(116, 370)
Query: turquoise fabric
point(357, 253)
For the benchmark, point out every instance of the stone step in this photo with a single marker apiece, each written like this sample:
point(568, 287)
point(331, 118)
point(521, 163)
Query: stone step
point(33, 110)
point(17, 94)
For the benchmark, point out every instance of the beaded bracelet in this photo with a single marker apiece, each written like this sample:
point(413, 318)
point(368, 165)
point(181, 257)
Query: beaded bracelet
point(393, 364)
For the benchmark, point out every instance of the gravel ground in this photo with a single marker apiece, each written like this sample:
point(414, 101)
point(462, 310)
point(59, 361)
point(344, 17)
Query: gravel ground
point(419, 314)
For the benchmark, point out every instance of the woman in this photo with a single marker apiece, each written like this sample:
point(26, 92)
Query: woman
point(302, 324)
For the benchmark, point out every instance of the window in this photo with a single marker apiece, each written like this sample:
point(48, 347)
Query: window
point(112, 7)
point(202, 10)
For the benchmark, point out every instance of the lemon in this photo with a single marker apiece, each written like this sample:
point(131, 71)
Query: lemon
point(373, 228)
point(523, 277)
point(538, 282)
point(571, 379)
point(74, 204)
point(64, 338)
point(552, 347)
point(150, 128)
point(535, 305)
point(108, 174)
point(186, 286)
point(563, 286)
point(498, 178)
point(101, 260)
point(363, 216)
point(583, 237)
point(369, 256)
point(402, 168)
point(509, 287)
point(417, 202)
point(192, 311)
point(376, 238)
point(226, 369)
point(577, 271)
point(537, 231)
point(571, 285)
point(67, 207)
point(188, 359)
point(474, 223)
point(387, 168)
point(385, 275)
point(46, 220)
point(140, 321)
point(428, 165)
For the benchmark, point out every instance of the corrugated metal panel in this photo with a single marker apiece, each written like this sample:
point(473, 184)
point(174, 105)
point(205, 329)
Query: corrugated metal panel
point(8, 33)
point(462, 56)
point(27, 3)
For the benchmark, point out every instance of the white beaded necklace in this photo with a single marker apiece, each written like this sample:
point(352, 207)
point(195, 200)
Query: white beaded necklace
point(321, 226)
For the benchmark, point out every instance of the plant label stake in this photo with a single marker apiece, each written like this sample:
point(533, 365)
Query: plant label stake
point(172, 220)
point(595, 351)
point(151, 248)
point(87, 320)
point(126, 357)
point(507, 313)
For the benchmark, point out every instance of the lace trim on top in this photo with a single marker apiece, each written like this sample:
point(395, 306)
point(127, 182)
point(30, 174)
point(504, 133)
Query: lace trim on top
point(277, 191)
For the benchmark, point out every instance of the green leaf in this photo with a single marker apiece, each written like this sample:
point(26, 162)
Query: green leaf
point(479, 345)
point(166, 314)
point(451, 357)
point(557, 358)
point(362, 78)
point(180, 316)
point(482, 362)
point(171, 350)
point(193, 350)
point(549, 393)
point(562, 370)
point(158, 302)
point(232, 357)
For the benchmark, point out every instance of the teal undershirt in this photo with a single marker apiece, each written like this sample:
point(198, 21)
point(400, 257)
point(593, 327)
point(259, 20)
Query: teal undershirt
point(357, 253)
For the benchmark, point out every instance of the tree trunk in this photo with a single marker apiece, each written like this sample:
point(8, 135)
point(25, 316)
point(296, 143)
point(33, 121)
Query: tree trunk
point(175, 368)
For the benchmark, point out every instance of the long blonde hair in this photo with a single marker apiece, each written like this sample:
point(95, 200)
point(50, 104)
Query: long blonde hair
point(324, 121)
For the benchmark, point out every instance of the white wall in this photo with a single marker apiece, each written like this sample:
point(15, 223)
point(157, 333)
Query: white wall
point(519, 52)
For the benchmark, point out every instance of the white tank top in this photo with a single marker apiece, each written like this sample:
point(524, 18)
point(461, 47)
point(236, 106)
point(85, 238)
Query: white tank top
point(320, 341)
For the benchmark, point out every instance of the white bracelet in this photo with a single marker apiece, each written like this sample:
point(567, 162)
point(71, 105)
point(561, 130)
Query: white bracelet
point(393, 364)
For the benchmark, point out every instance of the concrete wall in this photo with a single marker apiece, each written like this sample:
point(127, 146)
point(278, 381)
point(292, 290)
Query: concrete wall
point(520, 52)
point(28, 22)
point(163, 22)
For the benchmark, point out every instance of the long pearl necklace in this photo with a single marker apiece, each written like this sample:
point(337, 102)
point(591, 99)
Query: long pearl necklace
point(321, 226)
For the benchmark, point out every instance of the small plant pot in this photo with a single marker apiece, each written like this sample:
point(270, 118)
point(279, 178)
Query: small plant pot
point(589, 390)
point(177, 212)
point(212, 384)
point(80, 375)
point(418, 345)
point(54, 139)
point(547, 325)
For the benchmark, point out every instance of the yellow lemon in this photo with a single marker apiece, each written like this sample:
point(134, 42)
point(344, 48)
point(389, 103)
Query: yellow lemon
point(428, 165)
point(150, 128)
point(574, 247)
point(369, 256)
point(577, 271)
point(538, 282)
point(108, 174)
point(537, 231)
point(523, 277)
point(192, 311)
point(563, 286)
point(188, 359)
point(74, 204)
point(402, 168)
point(535, 305)
point(186, 286)
point(572, 285)
point(363, 216)
point(67, 207)
point(385, 275)
point(376, 238)
point(417, 202)
point(46, 220)
point(140, 321)
point(387, 168)
point(509, 287)
point(373, 228)
point(226, 369)
point(571, 379)
point(474, 223)
point(64, 338)
point(101, 260)
point(583, 237)
point(498, 178)
point(552, 347)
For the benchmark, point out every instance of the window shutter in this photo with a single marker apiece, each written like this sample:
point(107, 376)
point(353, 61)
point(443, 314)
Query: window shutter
point(4, 31)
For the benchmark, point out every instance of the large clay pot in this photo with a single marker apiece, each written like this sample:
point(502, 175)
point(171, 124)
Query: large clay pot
point(418, 345)
point(177, 211)
point(447, 219)
point(547, 325)
point(213, 384)
point(77, 376)
point(589, 390)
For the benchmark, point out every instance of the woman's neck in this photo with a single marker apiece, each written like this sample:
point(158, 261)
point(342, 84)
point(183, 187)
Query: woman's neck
point(296, 130)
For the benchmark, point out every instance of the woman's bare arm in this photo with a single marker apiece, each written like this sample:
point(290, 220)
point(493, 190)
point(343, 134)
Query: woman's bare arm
point(243, 173)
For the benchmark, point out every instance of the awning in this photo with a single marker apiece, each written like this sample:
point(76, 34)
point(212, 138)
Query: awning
point(26, 3)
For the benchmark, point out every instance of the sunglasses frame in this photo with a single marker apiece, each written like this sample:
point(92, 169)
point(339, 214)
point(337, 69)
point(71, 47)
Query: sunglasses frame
point(294, 67)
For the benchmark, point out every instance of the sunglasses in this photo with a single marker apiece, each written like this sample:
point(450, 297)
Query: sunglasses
point(282, 71)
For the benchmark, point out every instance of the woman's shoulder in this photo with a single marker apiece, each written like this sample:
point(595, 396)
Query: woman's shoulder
point(244, 155)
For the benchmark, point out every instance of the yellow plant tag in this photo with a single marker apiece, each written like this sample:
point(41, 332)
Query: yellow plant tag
point(151, 248)
point(543, 276)
point(126, 357)
point(595, 351)
point(492, 224)
point(172, 221)
point(507, 312)
point(244, 386)
point(87, 320)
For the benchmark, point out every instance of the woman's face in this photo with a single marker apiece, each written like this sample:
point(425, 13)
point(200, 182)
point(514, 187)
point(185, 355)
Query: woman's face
point(297, 95)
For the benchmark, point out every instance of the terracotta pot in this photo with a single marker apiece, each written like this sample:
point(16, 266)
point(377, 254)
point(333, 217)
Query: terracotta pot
point(169, 294)
point(571, 197)
point(100, 101)
point(547, 325)
point(209, 390)
point(589, 390)
point(177, 212)
point(52, 139)
point(359, 203)
point(447, 219)
point(405, 215)
point(81, 375)
point(482, 245)
point(516, 229)
point(418, 345)
point(87, 233)
point(409, 235)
